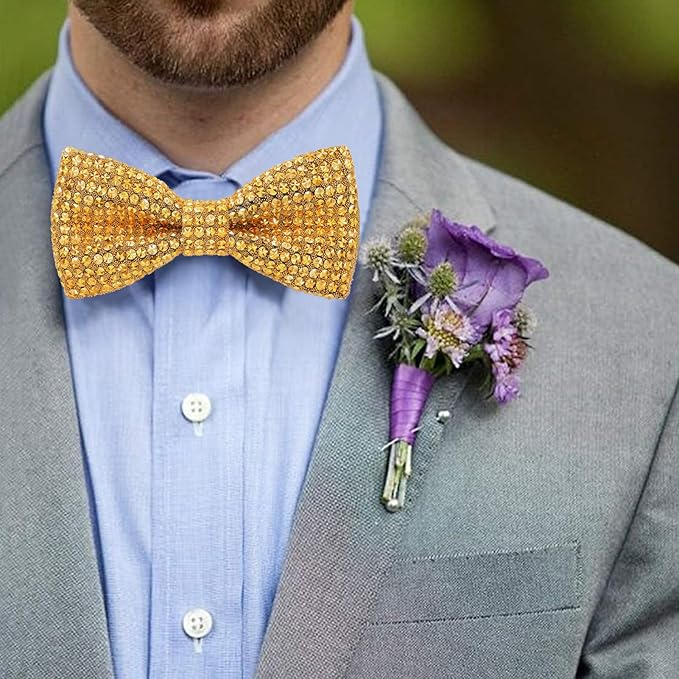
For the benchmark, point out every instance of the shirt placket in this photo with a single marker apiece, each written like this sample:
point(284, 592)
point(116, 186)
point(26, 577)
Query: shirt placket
point(197, 463)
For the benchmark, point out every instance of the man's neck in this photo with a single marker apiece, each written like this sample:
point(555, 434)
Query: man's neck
point(206, 129)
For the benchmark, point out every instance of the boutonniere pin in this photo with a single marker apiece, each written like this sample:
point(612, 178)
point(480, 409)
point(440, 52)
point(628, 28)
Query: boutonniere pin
point(450, 296)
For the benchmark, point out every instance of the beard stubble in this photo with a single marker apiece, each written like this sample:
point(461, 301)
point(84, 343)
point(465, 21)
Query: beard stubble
point(209, 43)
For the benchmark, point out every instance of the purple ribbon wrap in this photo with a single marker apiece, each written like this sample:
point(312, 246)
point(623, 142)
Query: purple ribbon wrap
point(409, 392)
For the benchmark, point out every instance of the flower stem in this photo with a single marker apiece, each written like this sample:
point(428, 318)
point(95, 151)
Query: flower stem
point(399, 468)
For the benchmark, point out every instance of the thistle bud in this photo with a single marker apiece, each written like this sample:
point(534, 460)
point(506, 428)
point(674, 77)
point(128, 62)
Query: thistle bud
point(442, 280)
point(378, 256)
point(525, 320)
point(412, 244)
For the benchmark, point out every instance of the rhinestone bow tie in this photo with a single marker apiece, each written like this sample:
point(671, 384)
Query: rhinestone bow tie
point(297, 223)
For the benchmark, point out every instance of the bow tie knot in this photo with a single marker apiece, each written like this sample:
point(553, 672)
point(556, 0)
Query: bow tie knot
point(297, 223)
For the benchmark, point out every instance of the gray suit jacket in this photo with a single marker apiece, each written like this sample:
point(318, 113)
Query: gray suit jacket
point(540, 540)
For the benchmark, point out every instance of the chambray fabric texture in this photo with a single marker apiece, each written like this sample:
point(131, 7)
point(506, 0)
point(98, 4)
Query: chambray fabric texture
point(185, 521)
point(575, 484)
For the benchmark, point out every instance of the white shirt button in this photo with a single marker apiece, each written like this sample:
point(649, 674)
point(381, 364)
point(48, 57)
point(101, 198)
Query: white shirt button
point(196, 407)
point(197, 623)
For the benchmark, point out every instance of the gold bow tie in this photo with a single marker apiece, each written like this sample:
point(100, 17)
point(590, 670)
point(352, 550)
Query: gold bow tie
point(297, 223)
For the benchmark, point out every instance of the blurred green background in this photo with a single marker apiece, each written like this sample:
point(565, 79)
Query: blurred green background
point(579, 97)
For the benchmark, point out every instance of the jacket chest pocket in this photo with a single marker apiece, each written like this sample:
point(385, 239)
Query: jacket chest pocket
point(458, 586)
point(495, 614)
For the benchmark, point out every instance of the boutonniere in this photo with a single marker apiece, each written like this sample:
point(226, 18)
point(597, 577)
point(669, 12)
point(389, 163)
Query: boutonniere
point(451, 296)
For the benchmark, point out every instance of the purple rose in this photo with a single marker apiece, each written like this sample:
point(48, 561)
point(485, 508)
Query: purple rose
point(490, 276)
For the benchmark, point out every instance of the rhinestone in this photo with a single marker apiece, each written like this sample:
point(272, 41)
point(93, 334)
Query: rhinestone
point(297, 223)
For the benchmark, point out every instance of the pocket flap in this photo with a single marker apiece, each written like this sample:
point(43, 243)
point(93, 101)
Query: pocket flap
point(486, 584)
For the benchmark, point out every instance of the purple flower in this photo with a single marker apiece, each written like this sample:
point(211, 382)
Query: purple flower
point(507, 387)
point(490, 276)
point(503, 334)
point(448, 330)
point(506, 351)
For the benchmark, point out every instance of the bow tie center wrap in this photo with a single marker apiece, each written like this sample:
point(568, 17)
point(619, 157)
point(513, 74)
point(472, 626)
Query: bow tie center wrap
point(297, 223)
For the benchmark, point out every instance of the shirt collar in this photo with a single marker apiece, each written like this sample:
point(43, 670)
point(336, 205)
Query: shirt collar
point(347, 112)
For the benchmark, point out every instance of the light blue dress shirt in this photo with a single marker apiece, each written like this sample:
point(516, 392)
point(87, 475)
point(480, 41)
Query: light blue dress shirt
point(189, 516)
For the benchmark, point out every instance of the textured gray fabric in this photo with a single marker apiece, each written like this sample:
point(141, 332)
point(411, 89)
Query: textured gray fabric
point(52, 620)
point(539, 540)
point(449, 586)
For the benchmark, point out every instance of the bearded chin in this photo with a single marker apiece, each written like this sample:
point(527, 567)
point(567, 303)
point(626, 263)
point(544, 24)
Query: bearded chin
point(209, 43)
point(199, 8)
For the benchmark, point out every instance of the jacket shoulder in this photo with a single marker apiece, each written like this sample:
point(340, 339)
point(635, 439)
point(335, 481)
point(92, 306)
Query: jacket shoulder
point(542, 217)
point(573, 240)
point(21, 125)
point(610, 308)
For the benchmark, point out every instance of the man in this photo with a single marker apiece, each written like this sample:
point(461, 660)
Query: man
point(190, 467)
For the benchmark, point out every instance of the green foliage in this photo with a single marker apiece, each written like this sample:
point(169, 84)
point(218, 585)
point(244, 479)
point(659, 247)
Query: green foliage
point(426, 38)
point(636, 37)
point(28, 38)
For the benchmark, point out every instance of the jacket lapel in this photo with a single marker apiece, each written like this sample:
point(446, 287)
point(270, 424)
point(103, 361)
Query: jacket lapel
point(342, 538)
point(53, 618)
